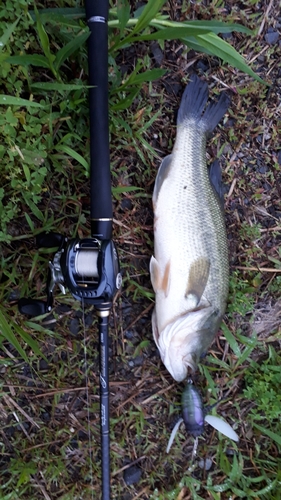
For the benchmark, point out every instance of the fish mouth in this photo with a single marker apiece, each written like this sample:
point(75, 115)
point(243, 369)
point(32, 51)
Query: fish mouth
point(180, 367)
point(189, 360)
point(182, 341)
point(176, 363)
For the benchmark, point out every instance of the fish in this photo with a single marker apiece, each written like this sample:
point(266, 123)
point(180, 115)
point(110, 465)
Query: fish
point(189, 270)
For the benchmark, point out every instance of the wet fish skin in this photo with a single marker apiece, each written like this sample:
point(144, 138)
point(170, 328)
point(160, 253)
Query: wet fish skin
point(189, 269)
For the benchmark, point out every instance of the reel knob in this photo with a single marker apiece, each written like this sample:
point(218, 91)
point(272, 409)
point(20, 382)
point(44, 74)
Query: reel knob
point(32, 307)
point(49, 240)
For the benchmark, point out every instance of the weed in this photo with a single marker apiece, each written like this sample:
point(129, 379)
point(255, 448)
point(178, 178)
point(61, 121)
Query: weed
point(248, 232)
point(241, 295)
point(262, 388)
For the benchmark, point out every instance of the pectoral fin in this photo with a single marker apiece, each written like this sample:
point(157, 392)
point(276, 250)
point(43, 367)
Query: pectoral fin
point(197, 279)
point(161, 176)
point(160, 281)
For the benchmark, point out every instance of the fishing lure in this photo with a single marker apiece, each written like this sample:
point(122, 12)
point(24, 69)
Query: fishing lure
point(194, 417)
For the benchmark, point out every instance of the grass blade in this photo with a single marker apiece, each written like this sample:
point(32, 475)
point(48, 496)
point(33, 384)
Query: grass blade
point(56, 86)
point(59, 19)
point(69, 49)
point(125, 189)
point(7, 33)
point(245, 355)
point(7, 332)
point(227, 53)
point(29, 222)
point(146, 76)
point(192, 43)
point(275, 437)
point(263, 491)
point(39, 328)
point(76, 156)
point(124, 103)
point(170, 33)
point(209, 26)
point(251, 344)
point(34, 209)
point(136, 78)
point(211, 384)
point(123, 14)
point(43, 37)
point(149, 12)
point(29, 59)
point(29, 340)
point(119, 122)
point(27, 173)
point(3, 57)
point(68, 12)
point(231, 340)
point(10, 100)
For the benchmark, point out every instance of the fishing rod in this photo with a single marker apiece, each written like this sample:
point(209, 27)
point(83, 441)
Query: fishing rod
point(89, 267)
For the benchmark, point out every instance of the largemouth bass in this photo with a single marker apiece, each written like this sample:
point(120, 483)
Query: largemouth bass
point(189, 269)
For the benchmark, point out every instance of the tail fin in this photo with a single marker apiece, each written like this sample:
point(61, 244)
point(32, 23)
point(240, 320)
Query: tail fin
point(193, 106)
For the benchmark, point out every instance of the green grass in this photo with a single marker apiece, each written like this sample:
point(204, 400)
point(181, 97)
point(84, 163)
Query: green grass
point(45, 450)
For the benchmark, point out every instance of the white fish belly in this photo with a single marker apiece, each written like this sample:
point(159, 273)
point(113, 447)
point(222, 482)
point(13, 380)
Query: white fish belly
point(189, 225)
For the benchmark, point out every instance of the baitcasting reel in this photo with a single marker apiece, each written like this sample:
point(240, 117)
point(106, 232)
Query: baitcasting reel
point(88, 267)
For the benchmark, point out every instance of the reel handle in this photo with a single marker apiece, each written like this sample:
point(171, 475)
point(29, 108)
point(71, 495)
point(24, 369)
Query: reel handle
point(36, 307)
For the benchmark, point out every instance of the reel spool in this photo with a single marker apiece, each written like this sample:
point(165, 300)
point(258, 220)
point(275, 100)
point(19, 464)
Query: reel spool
point(91, 270)
point(86, 265)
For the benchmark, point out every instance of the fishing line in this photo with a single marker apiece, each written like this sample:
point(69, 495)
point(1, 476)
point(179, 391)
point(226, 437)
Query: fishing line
point(195, 447)
point(87, 399)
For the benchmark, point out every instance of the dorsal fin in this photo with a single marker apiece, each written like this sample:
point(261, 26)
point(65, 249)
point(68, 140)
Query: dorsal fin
point(216, 179)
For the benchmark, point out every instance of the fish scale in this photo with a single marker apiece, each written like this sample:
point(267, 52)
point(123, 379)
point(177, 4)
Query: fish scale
point(189, 269)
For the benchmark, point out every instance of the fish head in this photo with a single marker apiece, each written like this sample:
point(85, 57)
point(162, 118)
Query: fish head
point(183, 341)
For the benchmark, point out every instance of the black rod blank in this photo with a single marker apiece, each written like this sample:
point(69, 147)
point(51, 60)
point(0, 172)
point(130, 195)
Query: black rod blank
point(104, 403)
point(101, 200)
